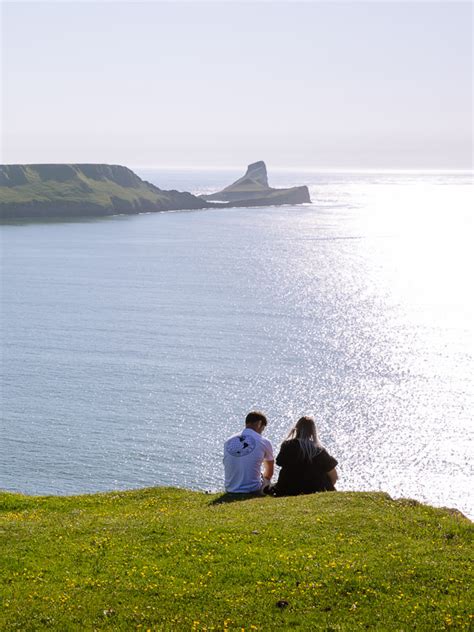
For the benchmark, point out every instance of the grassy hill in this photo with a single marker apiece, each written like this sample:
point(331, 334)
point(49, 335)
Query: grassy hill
point(61, 190)
point(169, 559)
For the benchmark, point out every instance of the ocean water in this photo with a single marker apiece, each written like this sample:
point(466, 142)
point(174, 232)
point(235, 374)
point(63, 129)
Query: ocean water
point(133, 346)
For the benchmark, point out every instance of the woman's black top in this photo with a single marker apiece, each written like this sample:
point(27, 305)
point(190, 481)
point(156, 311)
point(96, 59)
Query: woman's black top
point(300, 475)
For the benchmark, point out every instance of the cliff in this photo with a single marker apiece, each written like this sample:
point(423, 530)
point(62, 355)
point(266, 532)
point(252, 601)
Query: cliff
point(82, 190)
point(61, 190)
point(172, 559)
point(253, 189)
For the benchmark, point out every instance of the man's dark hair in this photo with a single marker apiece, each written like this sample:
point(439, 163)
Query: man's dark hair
point(254, 417)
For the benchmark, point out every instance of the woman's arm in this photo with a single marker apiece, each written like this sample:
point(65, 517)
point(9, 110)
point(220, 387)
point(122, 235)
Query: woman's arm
point(268, 469)
point(332, 475)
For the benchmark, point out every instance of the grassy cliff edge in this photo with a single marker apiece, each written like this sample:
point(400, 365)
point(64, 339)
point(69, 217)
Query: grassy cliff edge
point(171, 559)
point(83, 190)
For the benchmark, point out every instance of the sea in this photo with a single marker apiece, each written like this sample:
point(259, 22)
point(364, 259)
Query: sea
point(133, 346)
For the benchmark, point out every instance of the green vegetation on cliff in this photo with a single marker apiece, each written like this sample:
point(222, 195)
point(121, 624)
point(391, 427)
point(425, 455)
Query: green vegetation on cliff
point(168, 559)
point(60, 190)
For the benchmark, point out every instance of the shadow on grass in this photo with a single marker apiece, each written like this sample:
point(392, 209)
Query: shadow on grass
point(228, 497)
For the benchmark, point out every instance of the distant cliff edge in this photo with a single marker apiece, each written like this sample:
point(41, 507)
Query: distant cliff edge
point(60, 190)
point(81, 190)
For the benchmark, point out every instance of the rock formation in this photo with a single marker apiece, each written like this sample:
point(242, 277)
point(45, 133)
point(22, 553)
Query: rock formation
point(253, 189)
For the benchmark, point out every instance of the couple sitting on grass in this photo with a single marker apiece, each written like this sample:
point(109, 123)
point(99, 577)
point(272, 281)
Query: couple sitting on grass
point(306, 467)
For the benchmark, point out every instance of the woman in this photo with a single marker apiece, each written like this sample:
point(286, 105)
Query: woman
point(306, 467)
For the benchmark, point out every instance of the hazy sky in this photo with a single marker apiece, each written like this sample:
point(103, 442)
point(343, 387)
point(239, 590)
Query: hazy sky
point(321, 84)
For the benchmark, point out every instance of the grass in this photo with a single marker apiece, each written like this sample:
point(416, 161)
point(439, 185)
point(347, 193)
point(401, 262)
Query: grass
point(80, 189)
point(170, 559)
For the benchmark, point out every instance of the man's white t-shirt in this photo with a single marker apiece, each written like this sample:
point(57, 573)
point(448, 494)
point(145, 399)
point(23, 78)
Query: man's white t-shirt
point(244, 454)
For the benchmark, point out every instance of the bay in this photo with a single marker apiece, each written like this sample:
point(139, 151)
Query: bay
point(133, 346)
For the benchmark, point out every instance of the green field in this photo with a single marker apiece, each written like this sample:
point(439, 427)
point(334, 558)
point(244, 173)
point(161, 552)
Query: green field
point(170, 559)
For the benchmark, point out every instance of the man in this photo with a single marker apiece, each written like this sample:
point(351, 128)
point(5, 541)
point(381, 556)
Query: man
point(244, 454)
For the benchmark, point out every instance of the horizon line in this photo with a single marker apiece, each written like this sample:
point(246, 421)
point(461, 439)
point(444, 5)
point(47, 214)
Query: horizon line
point(240, 167)
point(313, 169)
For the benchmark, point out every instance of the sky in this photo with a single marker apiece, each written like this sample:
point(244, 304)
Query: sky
point(349, 85)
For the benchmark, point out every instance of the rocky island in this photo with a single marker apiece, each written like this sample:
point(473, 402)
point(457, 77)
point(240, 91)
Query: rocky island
point(252, 189)
point(93, 190)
